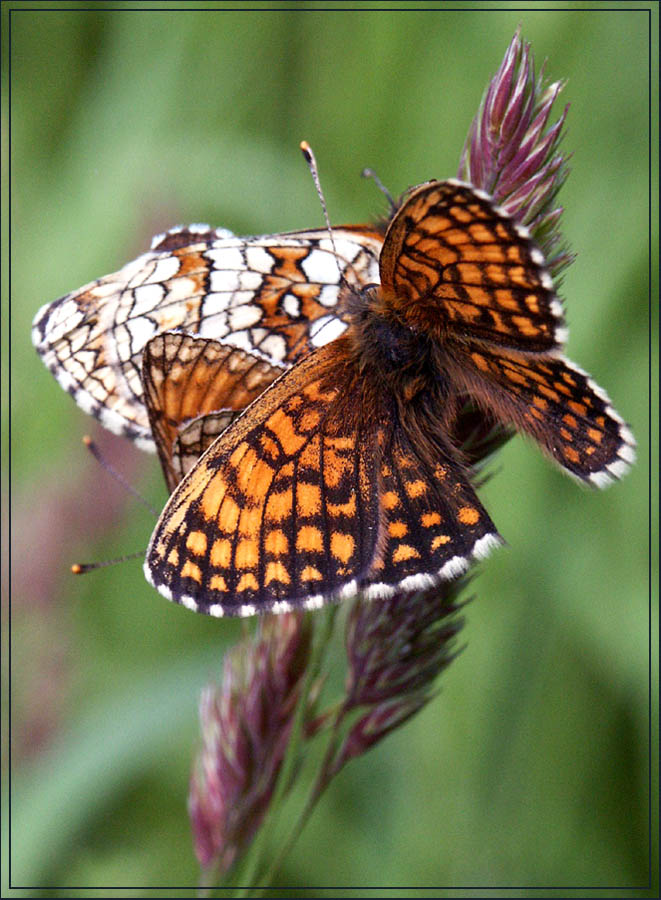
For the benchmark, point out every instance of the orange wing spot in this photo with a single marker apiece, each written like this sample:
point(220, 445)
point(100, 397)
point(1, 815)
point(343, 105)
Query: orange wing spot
point(279, 506)
point(190, 263)
point(406, 462)
point(340, 443)
point(536, 413)
point(239, 453)
point(308, 500)
point(228, 515)
point(470, 274)
point(532, 300)
point(507, 300)
point(569, 378)
point(309, 539)
point(601, 421)
point(173, 557)
point(480, 362)
point(277, 542)
point(404, 552)
point(309, 420)
point(196, 542)
point(218, 583)
point(440, 472)
point(578, 408)
point(571, 454)
point(250, 521)
point(275, 571)
point(247, 582)
point(221, 554)
point(342, 546)
point(415, 488)
point(255, 479)
point(212, 496)
point(481, 234)
point(552, 395)
point(282, 427)
point(567, 435)
point(247, 554)
point(595, 435)
point(190, 570)
point(513, 252)
point(447, 257)
point(468, 515)
point(343, 509)
point(309, 573)
point(515, 376)
point(525, 326)
point(454, 236)
point(440, 541)
point(570, 420)
point(269, 446)
point(335, 468)
point(559, 386)
point(498, 323)
point(390, 500)
point(540, 402)
point(458, 213)
point(386, 470)
point(427, 520)
point(590, 450)
point(398, 529)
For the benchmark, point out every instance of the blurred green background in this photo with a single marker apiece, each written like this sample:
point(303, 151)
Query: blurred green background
point(531, 766)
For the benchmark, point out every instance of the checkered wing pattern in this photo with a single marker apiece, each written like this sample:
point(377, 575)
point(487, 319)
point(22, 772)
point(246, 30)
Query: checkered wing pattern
point(455, 264)
point(554, 402)
point(312, 494)
point(275, 294)
point(193, 388)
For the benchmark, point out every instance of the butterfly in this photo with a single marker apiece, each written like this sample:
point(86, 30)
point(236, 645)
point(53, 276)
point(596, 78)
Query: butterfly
point(275, 295)
point(343, 475)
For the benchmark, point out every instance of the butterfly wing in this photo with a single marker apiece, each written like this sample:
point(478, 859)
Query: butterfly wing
point(556, 403)
point(312, 494)
point(281, 509)
point(275, 293)
point(194, 438)
point(455, 264)
point(184, 379)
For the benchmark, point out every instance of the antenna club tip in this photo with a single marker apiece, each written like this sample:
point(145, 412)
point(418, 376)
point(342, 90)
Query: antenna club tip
point(306, 149)
point(76, 569)
point(87, 440)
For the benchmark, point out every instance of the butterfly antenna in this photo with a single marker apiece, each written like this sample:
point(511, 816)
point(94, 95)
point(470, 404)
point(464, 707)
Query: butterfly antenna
point(312, 166)
point(84, 568)
point(370, 173)
point(98, 456)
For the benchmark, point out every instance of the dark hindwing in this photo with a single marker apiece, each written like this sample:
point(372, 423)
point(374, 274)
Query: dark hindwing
point(432, 522)
point(554, 402)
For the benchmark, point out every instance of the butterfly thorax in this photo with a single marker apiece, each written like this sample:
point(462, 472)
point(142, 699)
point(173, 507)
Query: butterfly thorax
point(400, 371)
point(385, 348)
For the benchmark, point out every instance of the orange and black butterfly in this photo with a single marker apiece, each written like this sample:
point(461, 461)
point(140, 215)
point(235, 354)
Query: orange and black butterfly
point(343, 475)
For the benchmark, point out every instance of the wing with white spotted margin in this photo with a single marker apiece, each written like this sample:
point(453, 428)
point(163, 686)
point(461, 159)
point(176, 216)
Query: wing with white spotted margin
point(276, 294)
